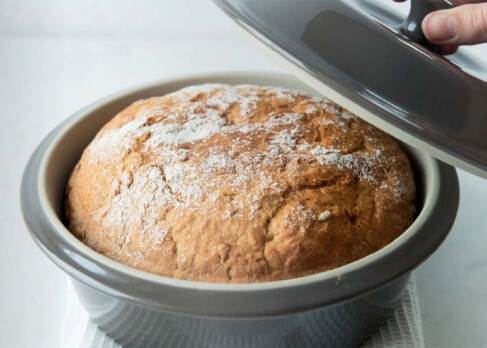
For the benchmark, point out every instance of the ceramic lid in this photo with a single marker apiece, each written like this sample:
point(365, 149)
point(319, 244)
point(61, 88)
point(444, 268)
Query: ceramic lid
point(380, 67)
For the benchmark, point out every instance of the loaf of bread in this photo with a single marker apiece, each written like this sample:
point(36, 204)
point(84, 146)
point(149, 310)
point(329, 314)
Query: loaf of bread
point(239, 184)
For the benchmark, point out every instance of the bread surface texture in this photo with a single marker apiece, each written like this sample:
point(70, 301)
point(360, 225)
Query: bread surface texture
point(239, 184)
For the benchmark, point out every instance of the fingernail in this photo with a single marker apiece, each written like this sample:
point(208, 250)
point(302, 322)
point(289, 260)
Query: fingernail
point(441, 27)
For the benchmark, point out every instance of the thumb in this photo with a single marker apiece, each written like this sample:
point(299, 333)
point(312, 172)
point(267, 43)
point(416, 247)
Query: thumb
point(463, 25)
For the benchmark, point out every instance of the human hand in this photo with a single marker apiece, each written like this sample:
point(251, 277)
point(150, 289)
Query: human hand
point(465, 24)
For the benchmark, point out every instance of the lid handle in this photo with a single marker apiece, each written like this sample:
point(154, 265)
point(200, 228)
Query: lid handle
point(411, 27)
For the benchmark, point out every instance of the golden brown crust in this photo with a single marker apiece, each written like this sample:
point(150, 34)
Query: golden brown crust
point(218, 183)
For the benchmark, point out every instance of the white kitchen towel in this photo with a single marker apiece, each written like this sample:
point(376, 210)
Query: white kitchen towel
point(402, 330)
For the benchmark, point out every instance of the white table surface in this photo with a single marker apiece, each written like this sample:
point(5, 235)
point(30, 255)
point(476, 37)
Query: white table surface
point(57, 56)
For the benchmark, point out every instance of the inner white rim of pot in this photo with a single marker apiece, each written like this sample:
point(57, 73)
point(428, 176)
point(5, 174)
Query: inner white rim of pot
point(431, 189)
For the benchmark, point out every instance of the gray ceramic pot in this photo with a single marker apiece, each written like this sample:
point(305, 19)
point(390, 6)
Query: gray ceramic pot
point(341, 307)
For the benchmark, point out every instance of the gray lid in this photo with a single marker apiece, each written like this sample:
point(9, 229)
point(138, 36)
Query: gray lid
point(381, 68)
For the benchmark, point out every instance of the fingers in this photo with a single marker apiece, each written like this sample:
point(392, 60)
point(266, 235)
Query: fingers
point(463, 25)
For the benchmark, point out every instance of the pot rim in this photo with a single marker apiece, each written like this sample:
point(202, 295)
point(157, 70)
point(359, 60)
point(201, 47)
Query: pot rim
point(441, 197)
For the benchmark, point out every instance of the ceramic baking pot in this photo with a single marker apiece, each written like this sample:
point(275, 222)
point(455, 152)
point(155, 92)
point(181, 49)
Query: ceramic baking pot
point(340, 307)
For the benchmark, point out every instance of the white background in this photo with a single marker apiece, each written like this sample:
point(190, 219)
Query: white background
point(57, 56)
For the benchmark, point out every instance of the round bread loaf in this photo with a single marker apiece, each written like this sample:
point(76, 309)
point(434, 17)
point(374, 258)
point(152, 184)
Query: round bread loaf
point(220, 183)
